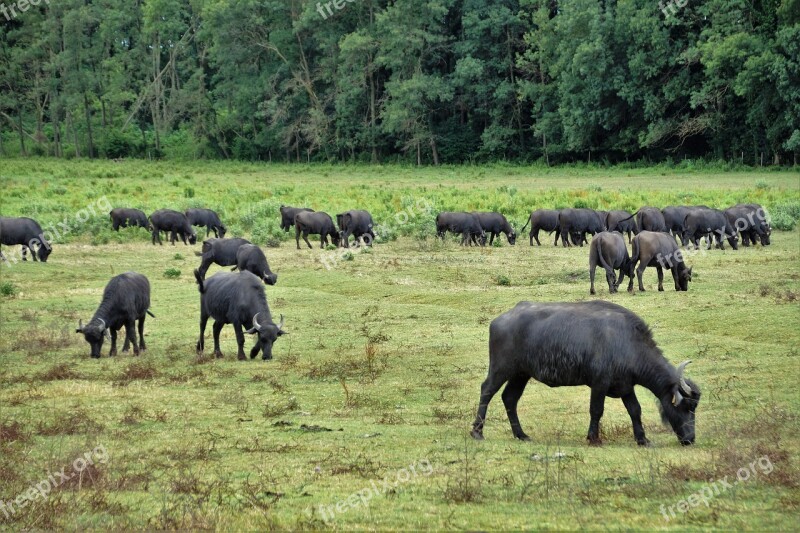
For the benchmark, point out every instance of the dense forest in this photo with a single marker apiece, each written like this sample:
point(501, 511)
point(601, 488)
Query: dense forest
point(417, 81)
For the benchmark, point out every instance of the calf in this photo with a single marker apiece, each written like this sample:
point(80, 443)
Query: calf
point(126, 299)
point(598, 344)
point(29, 234)
point(316, 223)
point(659, 250)
point(208, 219)
point(237, 298)
point(609, 251)
point(357, 223)
point(173, 222)
point(494, 224)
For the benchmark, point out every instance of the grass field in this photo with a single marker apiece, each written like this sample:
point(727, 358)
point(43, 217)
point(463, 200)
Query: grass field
point(379, 377)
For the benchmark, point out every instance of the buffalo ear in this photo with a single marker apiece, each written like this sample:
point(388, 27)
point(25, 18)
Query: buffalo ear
point(251, 331)
point(677, 398)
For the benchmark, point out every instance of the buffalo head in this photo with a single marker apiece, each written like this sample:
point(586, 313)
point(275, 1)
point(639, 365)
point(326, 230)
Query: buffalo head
point(222, 231)
point(684, 277)
point(94, 332)
point(512, 237)
point(678, 407)
point(268, 333)
point(192, 238)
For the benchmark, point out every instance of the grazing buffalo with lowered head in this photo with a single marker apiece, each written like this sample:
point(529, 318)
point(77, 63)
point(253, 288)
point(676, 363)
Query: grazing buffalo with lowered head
point(249, 257)
point(123, 217)
point(459, 222)
point(126, 299)
point(579, 222)
point(219, 251)
point(543, 219)
point(608, 250)
point(751, 221)
point(237, 298)
point(650, 219)
point(703, 221)
point(598, 344)
point(173, 222)
point(658, 249)
point(28, 233)
point(621, 221)
point(357, 223)
point(315, 223)
point(208, 219)
point(288, 214)
point(494, 224)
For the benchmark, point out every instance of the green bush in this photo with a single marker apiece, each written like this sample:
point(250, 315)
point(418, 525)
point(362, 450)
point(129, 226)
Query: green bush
point(784, 216)
point(172, 273)
point(502, 280)
point(7, 289)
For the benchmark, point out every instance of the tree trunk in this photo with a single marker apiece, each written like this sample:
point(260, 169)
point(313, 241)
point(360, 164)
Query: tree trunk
point(21, 132)
point(88, 113)
point(434, 152)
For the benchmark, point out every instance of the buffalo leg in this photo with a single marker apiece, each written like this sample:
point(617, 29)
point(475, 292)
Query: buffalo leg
point(596, 407)
point(156, 235)
point(488, 389)
point(297, 236)
point(142, 346)
point(611, 278)
point(130, 335)
point(256, 347)
point(201, 340)
point(237, 329)
point(565, 236)
point(635, 412)
point(639, 272)
point(592, 268)
point(534, 236)
point(25, 253)
point(113, 351)
point(511, 396)
point(491, 238)
point(218, 324)
point(660, 271)
point(305, 238)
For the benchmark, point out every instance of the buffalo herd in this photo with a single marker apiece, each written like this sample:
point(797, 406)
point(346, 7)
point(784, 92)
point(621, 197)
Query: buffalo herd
point(598, 344)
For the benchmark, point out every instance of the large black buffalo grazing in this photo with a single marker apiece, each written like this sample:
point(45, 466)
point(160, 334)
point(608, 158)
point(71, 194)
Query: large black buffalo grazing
point(315, 223)
point(459, 222)
point(28, 233)
point(357, 223)
point(598, 344)
point(621, 221)
point(674, 216)
point(123, 217)
point(494, 224)
point(288, 214)
point(237, 298)
point(579, 222)
point(703, 221)
point(208, 219)
point(173, 222)
point(650, 219)
point(543, 219)
point(751, 221)
point(126, 299)
point(608, 250)
point(658, 249)
point(249, 257)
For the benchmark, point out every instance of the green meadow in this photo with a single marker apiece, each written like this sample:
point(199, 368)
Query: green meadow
point(369, 400)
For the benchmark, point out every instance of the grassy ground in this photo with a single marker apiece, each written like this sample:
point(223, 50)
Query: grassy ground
point(380, 375)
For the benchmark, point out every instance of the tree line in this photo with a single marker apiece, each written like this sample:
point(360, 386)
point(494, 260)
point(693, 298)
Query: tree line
point(418, 81)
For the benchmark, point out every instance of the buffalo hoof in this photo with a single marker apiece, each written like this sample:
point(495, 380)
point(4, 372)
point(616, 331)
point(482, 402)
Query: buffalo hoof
point(523, 437)
point(112, 353)
point(594, 441)
point(267, 358)
point(644, 442)
point(241, 357)
point(477, 435)
point(592, 292)
point(218, 354)
point(661, 289)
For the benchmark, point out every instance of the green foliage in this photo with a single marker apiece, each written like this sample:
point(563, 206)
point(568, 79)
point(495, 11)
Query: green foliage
point(7, 288)
point(784, 216)
point(172, 273)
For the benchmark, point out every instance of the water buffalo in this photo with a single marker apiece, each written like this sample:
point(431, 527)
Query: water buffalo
point(237, 298)
point(288, 214)
point(208, 219)
point(221, 252)
point(674, 216)
point(173, 222)
point(579, 222)
point(650, 219)
point(357, 223)
point(123, 217)
point(608, 250)
point(466, 224)
point(249, 257)
point(751, 221)
point(126, 299)
point(315, 223)
point(494, 224)
point(701, 222)
point(658, 249)
point(543, 219)
point(621, 221)
point(598, 344)
point(28, 233)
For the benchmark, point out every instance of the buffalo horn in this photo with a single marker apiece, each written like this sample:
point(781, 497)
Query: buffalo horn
point(684, 386)
point(256, 325)
point(280, 326)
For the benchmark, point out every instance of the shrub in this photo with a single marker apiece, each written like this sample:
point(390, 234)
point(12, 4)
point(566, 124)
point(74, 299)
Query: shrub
point(172, 273)
point(784, 216)
point(7, 289)
point(502, 280)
